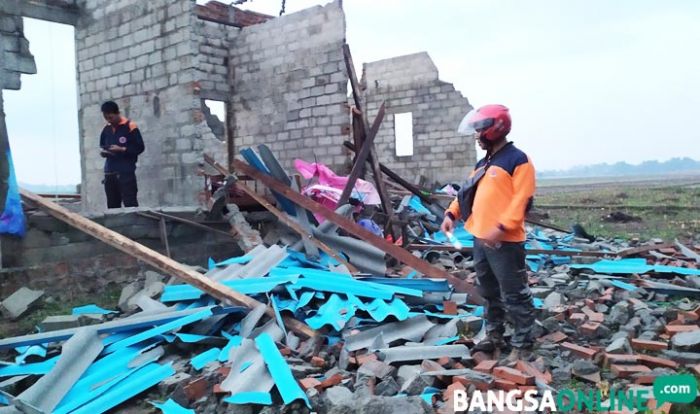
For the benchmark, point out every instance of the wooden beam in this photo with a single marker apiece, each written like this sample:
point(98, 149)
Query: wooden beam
point(374, 160)
point(281, 216)
point(157, 214)
point(450, 248)
point(164, 235)
point(355, 229)
point(643, 249)
point(361, 158)
point(547, 226)
point(157, 260)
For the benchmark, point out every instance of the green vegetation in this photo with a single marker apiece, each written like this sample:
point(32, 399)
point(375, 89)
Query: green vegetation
point(668, 219)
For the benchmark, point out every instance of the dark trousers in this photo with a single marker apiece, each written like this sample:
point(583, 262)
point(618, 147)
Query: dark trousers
point(121, 188)
point(501, 276)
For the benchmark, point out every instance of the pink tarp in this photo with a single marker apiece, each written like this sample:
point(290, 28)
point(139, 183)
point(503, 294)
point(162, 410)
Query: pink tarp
point(329, 186)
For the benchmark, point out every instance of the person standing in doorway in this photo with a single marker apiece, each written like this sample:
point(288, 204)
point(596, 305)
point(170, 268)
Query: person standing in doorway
point(502, 190)
point(120, 145)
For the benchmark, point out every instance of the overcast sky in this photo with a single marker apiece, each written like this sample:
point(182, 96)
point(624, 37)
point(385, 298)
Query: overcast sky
point(587, 81)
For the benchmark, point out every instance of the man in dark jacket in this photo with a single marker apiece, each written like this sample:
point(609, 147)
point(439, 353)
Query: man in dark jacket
point(120, 145)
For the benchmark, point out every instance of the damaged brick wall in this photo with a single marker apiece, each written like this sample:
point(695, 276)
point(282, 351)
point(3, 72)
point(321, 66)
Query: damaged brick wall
point(55, 254)
point(143, 55)
point(289, 86)
point(411, 84)
point(214, 40)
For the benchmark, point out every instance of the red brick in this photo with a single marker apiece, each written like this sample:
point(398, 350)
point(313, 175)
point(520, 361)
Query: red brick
point(480, 385)
point(486, 366)
point(605, 298)
point(582, 352)
point(318, 362)
point(554, 337)
point(656, 362)
point(514, 375)
point(644, 345)
point(330, 382)
point(480, 357)
point(561, 317)
point(688, 316)
point(664, 409)
point(449, 307)
point(589, 328)
point(218, 390)
point(196, 388)
point(645, 379)
point(696, 370)
point(577, 318)
point(625, 371)
point(529, 369)
point(224, 371)
point(444, 361)
point(674, 329)
point(505, 385)
point(593, 316)
point(590, 304)
point(285, 351)
point(621, 359)
point(449, 394)
point(309, 382)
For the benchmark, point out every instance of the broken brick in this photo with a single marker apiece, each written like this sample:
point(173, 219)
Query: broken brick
point(505, 385)
point(689, 316)
point(331, 381)
point(486, 366)
point(620, 359)
point(644, 379)
point(656, 362)
point(665, 408)
point(645, 345)
point(580, 351)
point(589, 328)
point(196, 388)
point(467, 381)
point(444, 361)
point(362, 359)
point(285, 351)
point(514, 375)
point(554, 337)
point(318, 362)
point(309, 382)
point(674, 329)
point(529, 369)
point(593, 316)
point(626, 371)
point(449, 307)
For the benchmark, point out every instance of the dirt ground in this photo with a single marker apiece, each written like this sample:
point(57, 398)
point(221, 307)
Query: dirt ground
point(664, 208)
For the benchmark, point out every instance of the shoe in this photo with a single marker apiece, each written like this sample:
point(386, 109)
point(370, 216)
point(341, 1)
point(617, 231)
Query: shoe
point(520, 354)
point(490, 344)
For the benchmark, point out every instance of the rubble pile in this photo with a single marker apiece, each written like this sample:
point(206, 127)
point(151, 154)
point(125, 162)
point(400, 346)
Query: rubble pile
point(349, 331)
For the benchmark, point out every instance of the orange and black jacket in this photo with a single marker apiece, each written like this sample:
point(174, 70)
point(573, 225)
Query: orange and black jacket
point(126, 134)
point(503, 195)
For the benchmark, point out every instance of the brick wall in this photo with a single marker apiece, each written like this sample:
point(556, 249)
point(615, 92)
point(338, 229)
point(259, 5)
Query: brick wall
point(290, 86)
point(411, 84)
point(15, 57)
point(214, 40)
point(143, 55)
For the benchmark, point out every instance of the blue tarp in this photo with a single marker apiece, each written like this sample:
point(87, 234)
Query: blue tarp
point(12, 219)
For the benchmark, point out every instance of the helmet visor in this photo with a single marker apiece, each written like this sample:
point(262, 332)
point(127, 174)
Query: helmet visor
point(474, 122)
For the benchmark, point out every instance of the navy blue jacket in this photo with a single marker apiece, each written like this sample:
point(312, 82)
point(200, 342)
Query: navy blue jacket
point(126, 134)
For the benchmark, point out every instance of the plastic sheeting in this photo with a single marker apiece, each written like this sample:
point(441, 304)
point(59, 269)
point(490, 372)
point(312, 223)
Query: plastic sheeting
point(12, 220)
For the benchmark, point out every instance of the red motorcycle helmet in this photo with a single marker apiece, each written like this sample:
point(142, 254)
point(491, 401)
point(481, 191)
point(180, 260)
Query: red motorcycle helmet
point(492, 122)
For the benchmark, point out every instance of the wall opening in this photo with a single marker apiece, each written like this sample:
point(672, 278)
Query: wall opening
point(42, 117)
point(403, 133)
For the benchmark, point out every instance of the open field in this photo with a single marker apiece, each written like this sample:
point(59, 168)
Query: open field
point(666, 208)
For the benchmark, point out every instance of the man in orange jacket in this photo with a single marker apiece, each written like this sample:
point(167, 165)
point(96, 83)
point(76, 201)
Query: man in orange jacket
point(496, 218)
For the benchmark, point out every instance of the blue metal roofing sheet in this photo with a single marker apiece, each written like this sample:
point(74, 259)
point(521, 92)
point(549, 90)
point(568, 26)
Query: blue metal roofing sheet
point(287, 386)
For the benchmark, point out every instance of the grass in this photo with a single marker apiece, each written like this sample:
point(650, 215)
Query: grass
point(662, 222)
point(107, 299)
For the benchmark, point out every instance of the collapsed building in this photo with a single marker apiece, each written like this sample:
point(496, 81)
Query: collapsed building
point(283, 82)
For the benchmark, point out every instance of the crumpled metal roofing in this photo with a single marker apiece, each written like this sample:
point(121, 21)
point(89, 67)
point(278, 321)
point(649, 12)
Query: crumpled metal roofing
point(287, 386)
point(628, 266)
point(411, 329)
point(419, 353)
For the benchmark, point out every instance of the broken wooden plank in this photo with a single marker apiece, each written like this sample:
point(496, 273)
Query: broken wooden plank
point(355, 229)
point(361, 158)
point(281, 216)
point(374, 159)
point(450, 248)
point(643, 249)
point(157, 260)
point(157, 214)
point(547, 226)
point(164, 235)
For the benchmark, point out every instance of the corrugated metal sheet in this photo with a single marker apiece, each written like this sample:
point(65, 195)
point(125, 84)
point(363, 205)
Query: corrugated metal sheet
point(287, 386)
point(411, 329)
point(77, 354)
point(419, 353)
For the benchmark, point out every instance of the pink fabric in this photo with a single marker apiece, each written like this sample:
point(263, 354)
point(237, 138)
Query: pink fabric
point(328, 180)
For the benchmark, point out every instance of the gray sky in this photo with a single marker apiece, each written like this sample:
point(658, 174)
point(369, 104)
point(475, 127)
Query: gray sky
point(587, 81)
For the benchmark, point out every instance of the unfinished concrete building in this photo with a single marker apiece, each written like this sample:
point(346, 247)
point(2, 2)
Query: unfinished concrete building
point(282, 80)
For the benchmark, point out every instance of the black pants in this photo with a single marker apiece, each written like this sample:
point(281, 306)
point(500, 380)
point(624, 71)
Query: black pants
point(501, 276)
point(121, 188)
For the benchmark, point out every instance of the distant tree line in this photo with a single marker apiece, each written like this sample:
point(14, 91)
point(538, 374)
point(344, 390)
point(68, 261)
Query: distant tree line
point(674, 165)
